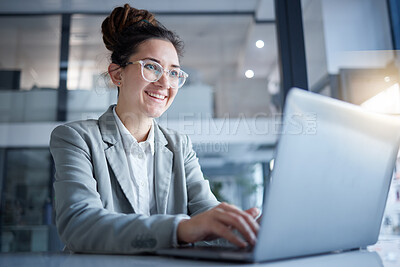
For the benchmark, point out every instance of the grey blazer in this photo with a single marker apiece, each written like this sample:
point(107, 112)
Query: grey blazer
point(93, 198)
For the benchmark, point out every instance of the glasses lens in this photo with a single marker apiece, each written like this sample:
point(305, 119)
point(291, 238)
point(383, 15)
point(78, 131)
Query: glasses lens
point(152, 71)
point(177, 78)
point(182, 79)
point(174, 77)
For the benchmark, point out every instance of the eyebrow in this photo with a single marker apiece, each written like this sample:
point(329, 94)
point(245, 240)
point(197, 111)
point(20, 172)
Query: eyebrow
point(156, 60)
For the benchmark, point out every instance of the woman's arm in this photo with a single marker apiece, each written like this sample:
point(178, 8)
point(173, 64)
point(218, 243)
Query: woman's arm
point(211, 220)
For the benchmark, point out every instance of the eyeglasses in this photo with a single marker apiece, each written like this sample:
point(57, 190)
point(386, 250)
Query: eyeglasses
point(152, 72)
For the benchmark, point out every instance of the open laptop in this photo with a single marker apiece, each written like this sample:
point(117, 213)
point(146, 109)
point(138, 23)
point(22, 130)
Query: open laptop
point(328, 189)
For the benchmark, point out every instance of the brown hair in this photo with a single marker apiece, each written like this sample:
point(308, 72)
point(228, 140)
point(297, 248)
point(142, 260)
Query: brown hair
point(127, 27)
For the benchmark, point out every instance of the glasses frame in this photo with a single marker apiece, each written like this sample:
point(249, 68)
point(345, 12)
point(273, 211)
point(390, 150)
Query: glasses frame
point(142, 63)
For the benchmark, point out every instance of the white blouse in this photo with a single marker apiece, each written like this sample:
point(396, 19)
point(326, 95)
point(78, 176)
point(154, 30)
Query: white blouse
point(140, 155)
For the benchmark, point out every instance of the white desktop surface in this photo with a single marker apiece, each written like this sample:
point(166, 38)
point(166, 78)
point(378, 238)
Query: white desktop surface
point(357, 258)
point(385, 253)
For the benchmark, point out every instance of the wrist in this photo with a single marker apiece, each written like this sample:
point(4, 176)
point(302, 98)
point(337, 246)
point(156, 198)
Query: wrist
point(182, 232)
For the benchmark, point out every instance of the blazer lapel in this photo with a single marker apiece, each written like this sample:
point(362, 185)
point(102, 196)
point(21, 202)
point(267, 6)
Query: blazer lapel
point(162, 169)
point(115, 153)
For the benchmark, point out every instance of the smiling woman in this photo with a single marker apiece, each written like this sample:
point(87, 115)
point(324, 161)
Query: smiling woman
point(124, 184)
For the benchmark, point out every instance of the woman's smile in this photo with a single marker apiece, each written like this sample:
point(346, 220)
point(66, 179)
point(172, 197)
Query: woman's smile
point(156, 96)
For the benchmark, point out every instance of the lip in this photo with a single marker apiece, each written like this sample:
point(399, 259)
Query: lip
point(155, 98)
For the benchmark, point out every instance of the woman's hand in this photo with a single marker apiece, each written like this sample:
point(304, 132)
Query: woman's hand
point(220, 222)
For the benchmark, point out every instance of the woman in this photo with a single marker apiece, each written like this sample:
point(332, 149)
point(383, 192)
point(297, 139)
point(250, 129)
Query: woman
point(123, 183)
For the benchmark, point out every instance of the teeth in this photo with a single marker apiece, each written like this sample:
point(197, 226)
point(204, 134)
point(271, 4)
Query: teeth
point(162, 97)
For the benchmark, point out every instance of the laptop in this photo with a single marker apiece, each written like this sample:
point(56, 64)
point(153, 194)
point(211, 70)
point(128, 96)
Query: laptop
point(327, 192)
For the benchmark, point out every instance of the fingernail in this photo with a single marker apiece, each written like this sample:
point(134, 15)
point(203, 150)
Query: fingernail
point(253, 240)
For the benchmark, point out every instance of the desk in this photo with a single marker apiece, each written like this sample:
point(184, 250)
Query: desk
point(351, 259)
point(385, 253)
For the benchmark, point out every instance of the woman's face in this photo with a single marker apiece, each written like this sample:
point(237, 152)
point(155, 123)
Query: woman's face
point(143, 98)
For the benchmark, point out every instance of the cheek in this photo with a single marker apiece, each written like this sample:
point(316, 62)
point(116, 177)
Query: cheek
point(173, 95)
point(135, 88)
point(171, 99)
point(133, 80)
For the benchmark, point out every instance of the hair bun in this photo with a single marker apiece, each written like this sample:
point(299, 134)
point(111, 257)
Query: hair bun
point(122, 18)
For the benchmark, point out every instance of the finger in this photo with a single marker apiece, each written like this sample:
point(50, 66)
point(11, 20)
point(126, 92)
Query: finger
point(259, 219)
point(223, 231)
point(254, 212)
point(239, 223)
point(249, 219)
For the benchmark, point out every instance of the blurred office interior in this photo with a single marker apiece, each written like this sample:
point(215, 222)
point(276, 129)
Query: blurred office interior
point(242, 57)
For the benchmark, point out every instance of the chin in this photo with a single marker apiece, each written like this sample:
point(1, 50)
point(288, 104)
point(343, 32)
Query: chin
point(155, 114)
point(156, 111)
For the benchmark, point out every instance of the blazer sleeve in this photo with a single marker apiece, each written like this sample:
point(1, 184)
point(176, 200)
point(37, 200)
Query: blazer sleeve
point(200, 197)
point(84, 225)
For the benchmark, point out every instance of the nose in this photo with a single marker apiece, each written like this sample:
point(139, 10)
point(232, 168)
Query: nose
point(163, 81)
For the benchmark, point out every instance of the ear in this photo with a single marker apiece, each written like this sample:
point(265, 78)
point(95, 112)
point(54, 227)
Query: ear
point(115, 72)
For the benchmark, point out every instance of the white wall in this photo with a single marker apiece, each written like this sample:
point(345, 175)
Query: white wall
point(356, 34)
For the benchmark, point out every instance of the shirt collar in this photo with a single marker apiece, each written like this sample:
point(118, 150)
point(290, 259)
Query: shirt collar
point(127, 137)
point(150, 137)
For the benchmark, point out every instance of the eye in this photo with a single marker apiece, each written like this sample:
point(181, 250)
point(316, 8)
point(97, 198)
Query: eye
point(174, 73)
point(150, 66)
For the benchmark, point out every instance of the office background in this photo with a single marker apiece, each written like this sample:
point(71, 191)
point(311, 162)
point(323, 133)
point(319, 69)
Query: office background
point(242, 58)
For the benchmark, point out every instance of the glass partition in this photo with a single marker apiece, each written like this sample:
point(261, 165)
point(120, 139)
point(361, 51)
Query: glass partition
point(221, 57)
point(29, 67)
point(88, 57)
point(233, 80)
point(217, 65)
point(26, 201)
point(348, 48)
point(350, 57)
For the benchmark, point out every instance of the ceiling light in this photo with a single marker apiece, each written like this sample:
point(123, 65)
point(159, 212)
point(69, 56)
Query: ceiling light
point(249, 74)
point(271, 164)
point(260, 43)
point(386, 79)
